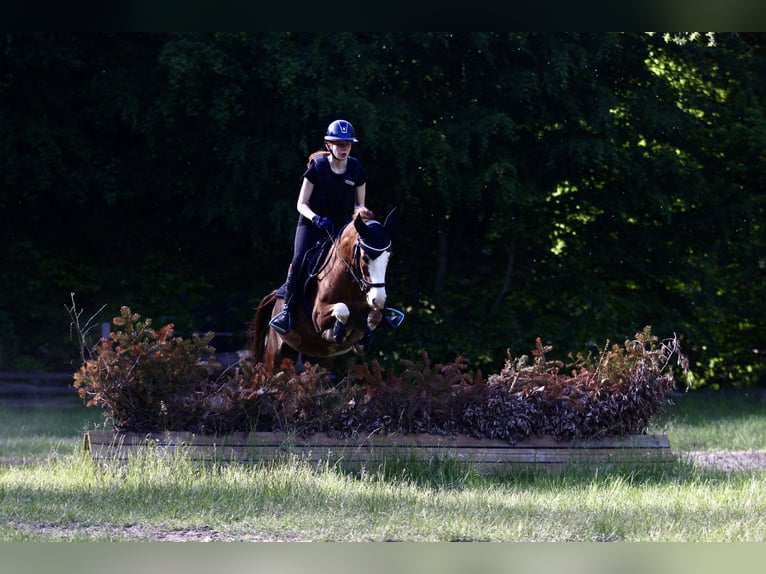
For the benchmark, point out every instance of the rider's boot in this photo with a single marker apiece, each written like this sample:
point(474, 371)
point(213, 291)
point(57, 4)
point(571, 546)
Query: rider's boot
point(281, 322)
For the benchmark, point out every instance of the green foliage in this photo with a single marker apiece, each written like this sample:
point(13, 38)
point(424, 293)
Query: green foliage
point(149, 380)
point(559, 183)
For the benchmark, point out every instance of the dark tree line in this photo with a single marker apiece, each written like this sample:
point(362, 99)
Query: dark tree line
point(575, 186)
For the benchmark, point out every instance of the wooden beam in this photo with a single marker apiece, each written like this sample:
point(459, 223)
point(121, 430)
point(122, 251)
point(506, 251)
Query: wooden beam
point(484, 454)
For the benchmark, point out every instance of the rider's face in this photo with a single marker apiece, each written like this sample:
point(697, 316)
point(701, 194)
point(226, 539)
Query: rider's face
point(341, 149)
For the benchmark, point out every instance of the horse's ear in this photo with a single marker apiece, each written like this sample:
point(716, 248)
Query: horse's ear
point(391, 219)
point(360, 225)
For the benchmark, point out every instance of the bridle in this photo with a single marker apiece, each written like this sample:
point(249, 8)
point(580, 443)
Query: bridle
point(355, 263)
point(359, 246)
point(393, 317)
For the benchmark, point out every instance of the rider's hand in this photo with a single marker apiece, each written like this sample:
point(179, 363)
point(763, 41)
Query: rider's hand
point(323, 223)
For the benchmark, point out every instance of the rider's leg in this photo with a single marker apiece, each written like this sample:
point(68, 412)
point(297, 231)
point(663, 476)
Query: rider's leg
point(305, 237)
point(281, 322)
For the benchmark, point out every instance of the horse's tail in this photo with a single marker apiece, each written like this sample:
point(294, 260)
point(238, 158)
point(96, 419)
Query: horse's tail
point(260, 326)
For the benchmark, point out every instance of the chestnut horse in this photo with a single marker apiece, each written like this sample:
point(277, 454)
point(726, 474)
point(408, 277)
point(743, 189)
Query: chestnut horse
point(342, 305)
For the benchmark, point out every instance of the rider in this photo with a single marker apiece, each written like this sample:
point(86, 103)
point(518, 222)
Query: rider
point(334, 185)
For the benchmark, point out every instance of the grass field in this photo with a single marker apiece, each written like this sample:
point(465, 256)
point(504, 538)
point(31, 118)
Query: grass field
point(49, 490)
point(714, 421)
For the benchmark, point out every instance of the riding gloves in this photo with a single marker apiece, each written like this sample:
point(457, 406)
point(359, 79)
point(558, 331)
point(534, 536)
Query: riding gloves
point(323, 223)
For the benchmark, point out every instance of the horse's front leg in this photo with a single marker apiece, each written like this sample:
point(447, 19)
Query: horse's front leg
point(374, 317)
point(340, 312)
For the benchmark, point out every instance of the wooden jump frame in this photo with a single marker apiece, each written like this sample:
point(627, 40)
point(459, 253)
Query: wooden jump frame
point(483, 454)
point(37, 389)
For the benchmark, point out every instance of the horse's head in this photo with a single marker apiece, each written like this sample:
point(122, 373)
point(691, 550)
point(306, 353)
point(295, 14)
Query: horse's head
point(370, 250)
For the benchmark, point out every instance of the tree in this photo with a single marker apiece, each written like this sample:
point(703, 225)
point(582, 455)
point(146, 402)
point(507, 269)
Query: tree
point(573, 186)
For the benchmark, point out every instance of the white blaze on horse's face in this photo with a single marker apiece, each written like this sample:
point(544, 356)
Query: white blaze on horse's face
point(376, 296)
point(376, 251)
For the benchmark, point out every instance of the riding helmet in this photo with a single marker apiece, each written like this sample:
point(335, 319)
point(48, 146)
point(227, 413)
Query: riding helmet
point(340, 131)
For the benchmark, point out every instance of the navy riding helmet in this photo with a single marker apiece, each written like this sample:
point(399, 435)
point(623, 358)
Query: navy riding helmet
point(340, 131)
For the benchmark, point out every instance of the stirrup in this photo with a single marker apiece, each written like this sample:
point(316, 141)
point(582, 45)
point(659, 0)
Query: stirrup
point(393, 317)
point(281, 322)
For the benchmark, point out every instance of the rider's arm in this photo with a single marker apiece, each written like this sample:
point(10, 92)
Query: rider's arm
point(361, 192)
point(303, 200)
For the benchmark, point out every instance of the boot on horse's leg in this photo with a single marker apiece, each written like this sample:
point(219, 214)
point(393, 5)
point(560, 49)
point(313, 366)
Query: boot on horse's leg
point(338, 332)
point(365, 343)
point(281, 322)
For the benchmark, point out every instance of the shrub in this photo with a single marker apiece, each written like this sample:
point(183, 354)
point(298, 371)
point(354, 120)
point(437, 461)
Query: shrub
point(147, 380)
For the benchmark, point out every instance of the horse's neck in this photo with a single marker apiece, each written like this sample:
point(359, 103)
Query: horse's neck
point(344, 247)
point(341, 257)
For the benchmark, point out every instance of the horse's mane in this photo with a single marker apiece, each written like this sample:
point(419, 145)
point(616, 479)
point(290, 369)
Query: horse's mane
point(366, 213)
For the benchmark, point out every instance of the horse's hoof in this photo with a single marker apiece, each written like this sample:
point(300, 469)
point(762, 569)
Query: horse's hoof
point(338, 333)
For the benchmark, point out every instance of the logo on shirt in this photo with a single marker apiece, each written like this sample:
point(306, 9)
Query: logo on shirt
point(349, 182)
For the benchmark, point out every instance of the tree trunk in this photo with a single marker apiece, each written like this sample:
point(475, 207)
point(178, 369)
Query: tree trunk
point(441, 264)
point(504, 287)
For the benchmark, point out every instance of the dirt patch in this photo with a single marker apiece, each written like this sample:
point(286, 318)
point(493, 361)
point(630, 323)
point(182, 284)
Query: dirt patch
point(728, 460)
point(139, 532)
point(18, 460)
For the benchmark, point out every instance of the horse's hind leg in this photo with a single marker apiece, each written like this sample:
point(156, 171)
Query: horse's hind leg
point(299, 366)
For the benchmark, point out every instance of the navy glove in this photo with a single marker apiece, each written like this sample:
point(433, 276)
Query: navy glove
point(323, 223)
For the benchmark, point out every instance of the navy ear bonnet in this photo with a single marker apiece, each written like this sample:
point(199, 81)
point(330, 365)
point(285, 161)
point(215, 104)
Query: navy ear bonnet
point(374, 239)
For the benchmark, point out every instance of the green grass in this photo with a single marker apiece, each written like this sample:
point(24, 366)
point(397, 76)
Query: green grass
point(35, 431)
point(63, 495)
point(714, 421)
